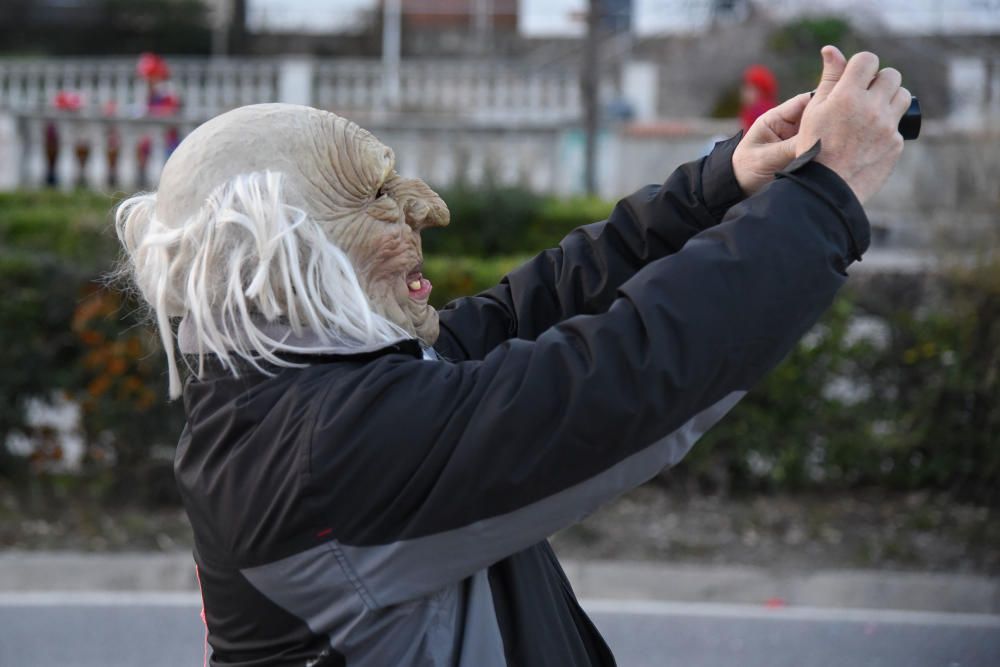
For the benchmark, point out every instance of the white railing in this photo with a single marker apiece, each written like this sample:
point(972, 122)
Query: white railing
point(74, 149)
point(92, 151)
point(479, 91)
point(205, 87)
point(469, 108)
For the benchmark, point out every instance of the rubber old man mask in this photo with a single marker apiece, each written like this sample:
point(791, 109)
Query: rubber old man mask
point(341, 176)
point(276, 214)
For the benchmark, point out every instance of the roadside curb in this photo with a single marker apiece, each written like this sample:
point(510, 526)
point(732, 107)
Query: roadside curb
point(857, 589)
point(30, 571)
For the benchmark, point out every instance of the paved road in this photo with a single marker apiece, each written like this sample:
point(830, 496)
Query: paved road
point(153, 629)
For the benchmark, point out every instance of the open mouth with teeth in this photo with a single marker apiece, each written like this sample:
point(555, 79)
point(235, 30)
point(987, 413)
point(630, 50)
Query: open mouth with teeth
point(420, 287)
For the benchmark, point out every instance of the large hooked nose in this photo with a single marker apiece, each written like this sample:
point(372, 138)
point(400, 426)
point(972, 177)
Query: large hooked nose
point(422, 207)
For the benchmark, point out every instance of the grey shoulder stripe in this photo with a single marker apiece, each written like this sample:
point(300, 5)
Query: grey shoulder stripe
point(404, 570)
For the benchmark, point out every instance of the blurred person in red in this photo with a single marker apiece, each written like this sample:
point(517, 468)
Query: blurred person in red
point(758, 94)
point(160, 102)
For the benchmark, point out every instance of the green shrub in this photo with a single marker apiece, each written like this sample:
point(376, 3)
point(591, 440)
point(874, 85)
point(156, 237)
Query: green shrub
point(921, 409)
point(796, 46)
point(557, 217)
point(791, 432)
point(509, 221)
point(494, 221)
point(461, 276)
point(66, 334)
point(941, 384)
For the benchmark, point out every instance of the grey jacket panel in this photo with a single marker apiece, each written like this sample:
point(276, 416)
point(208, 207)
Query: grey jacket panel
point(452, 626)
point(392, 573)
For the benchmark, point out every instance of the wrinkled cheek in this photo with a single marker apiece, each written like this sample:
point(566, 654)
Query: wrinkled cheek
point(384, 297)
point(430, 329)
point(422, 320)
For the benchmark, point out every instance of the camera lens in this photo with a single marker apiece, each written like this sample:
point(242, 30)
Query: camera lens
point(909, 124)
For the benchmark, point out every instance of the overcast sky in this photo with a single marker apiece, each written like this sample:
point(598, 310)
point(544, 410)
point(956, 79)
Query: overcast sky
point(327, 15)
point(650, 17)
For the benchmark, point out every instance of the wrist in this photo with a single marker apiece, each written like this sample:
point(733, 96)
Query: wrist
point(749, 182)
point(720, 188)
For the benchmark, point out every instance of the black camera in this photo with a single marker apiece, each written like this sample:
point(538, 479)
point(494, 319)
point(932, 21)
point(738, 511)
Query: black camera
point(909, 124)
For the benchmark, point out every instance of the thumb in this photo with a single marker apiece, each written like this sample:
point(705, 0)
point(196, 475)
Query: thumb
point(784, 151)
point(834, 63)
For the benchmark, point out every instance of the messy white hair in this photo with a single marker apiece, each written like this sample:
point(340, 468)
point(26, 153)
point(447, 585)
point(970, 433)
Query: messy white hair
point(244, 261)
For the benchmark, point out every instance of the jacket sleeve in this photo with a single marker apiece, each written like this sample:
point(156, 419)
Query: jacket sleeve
point(582, 275)
point(458, 465)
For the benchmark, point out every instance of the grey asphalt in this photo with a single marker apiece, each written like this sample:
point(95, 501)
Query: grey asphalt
point(154, 629)
point(30, 571)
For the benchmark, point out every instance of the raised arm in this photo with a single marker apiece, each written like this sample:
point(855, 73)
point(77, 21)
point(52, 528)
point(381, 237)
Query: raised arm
point(455, 466)
point(582, 275)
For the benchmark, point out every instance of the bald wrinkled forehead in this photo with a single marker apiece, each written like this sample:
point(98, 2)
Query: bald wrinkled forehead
point(321, 154)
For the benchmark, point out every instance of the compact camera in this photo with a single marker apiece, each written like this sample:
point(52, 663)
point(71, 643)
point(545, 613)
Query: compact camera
point(909, 124)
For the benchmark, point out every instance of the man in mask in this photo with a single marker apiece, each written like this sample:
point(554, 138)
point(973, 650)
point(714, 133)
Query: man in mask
point(371, 482)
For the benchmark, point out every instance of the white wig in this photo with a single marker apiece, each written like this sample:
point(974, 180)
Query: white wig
point(251, 275)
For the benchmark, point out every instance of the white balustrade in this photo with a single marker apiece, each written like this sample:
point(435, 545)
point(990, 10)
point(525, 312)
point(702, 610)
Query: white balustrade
point(477, 91)
point(205, 87)
point(482, 91)
point(71, 149)
point(453, 120)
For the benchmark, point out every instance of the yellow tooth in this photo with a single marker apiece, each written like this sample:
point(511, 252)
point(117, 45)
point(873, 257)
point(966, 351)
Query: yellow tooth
point(415, 285)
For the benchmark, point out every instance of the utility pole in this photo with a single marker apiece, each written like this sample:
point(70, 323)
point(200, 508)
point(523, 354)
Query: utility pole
point(589, 80)
point(220, 31)
point(482, 23)
point(391, 27)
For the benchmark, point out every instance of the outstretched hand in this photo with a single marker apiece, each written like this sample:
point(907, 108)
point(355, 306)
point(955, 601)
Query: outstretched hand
point(769, 144)
point(855, 111)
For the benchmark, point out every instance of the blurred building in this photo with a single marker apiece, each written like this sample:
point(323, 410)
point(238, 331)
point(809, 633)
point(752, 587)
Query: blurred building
point(483, 87)
point(901, 17)
point(104, 26)
point(31, 14)
point(353, 27)
point(307, 16)
point(660, 18)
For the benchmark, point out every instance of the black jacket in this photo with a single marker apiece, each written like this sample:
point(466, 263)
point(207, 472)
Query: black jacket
point(384, 509)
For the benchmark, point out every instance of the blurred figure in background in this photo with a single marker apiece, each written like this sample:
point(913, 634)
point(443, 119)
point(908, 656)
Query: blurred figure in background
point(161, 102)
point(758, 94)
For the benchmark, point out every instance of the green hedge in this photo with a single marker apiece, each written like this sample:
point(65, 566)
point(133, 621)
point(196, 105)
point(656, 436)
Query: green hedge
point(64, 332)
point(917, 409)
point(508, 221)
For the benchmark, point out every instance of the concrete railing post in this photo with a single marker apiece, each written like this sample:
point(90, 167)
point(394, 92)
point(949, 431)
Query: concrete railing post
point(295, 81)
point(11, 155)
point(640, 88)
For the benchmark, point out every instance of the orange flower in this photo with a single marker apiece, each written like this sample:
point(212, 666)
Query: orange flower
point(146, 399)
point(95, 359)
point(133, 347)
point(85, 312)
point(99, 386)
point(91, 337)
